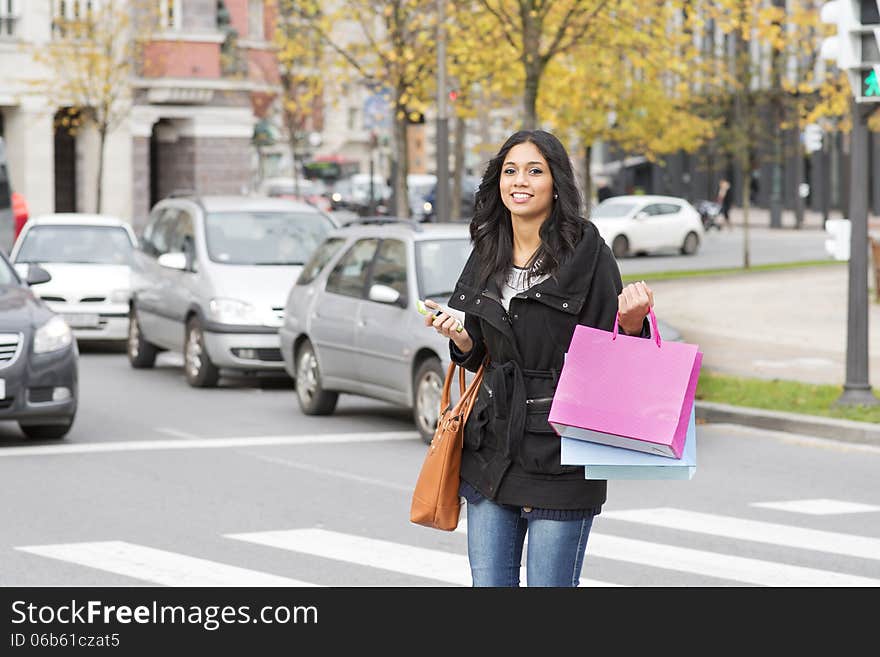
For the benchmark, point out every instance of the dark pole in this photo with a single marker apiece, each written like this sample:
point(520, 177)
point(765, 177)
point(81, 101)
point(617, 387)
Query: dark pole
point(441, 198)
point(371, 209)
point(856, 389)
point(778, 135)
point(825, 178)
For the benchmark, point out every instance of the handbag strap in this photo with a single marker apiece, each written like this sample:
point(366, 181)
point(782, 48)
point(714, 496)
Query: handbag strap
point(653, 326)
point(468, 394)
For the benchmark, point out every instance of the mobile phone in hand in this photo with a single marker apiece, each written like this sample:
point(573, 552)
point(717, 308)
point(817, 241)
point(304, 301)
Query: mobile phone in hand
point(424, 310)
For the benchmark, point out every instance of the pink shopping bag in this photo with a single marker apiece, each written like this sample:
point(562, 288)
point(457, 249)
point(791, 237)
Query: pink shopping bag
point(627, 391)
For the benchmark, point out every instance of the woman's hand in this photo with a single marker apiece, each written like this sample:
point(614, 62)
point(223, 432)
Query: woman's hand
point(447, 325)
point(633, 304)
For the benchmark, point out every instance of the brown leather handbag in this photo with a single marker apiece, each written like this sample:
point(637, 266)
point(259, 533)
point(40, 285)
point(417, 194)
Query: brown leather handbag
point(435, 500)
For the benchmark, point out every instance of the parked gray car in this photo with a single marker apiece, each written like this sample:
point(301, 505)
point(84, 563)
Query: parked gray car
point(213, 273)
point(351, 323)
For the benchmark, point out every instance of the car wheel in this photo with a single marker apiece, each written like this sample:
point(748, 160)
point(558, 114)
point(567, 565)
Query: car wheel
point(690, 244)
point(620, 246)
point(141, 353)
point(46, 431)
point(197, 366)
point(313, 399)
point(427, 391)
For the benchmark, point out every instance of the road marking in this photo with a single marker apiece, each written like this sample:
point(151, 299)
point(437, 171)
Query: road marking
point(712, 564)
point(177, 433)
point(157, 566)
point(374, 553)
point(818, 507)
point(753, 530)
point(207, 443)
point(333, 473)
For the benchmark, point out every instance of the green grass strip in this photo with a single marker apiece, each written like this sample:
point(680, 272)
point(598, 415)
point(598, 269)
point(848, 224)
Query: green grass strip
point(671, 275)
point(778, 395)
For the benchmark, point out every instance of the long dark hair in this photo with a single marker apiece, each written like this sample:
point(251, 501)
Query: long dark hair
point(491, 228)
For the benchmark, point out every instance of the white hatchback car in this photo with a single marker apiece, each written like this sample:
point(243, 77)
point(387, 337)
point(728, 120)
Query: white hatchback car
point(90, 259)
point(647, 224)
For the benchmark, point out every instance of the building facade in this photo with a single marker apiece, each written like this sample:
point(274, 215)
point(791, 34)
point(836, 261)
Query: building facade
point(206, 77)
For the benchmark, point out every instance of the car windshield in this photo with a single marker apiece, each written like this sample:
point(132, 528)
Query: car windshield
point(612, 210)
point(439, 264)
point(7, 275)
point(93, 245)
point(264, 238)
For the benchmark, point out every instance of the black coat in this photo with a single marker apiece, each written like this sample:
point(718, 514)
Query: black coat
point(511, 453)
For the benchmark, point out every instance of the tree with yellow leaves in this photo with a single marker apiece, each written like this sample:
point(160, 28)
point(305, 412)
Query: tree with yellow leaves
point(533, 33)
point(630, 88)
point(88, 64)
point(299, 55)
point(383, 46)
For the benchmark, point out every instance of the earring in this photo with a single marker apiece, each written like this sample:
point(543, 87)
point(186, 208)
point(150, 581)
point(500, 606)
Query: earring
point(555, 196)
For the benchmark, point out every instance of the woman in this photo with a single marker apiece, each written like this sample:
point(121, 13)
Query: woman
point(537, 269)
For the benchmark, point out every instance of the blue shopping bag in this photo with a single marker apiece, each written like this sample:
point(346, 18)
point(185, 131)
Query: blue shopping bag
point(606, 462)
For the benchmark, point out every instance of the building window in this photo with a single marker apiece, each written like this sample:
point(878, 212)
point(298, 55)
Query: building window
point(8, 18)
point(169, 14)
point(71, 18)
point(255, 20)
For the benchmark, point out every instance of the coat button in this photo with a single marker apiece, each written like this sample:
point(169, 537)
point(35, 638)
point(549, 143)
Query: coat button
point(565, 305)
point(537, 295)
point(461, 297)
point(478, 301)
point(527, 509)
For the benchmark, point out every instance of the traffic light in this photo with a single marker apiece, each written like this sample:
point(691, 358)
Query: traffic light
point(856, 46)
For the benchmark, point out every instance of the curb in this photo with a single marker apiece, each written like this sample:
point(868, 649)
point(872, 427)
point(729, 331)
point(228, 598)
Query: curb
point(810, 425)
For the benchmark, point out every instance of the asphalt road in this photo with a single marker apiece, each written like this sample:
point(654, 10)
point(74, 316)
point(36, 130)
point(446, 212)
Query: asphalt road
point(723, 249)
point(152, 487)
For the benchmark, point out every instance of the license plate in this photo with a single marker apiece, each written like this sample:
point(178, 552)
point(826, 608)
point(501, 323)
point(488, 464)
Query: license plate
point(81, 320)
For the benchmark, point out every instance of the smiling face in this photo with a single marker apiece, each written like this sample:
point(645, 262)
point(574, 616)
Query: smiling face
point(526, 183)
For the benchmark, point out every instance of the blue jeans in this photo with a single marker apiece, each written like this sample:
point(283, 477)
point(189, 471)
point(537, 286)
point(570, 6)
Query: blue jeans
point(496, 533)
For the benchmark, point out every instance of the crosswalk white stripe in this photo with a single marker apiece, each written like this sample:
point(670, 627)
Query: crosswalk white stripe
point(753, 530)
point(820, 507)
point(375, 553)
point(713, 564)
point(157, 566)
point(206, 443)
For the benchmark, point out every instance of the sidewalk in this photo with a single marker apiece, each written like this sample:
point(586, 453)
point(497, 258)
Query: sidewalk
point(760, 218)
point(788, 324)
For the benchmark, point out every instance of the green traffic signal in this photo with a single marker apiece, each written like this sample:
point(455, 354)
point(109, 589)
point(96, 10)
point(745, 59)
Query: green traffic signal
point(870, 83)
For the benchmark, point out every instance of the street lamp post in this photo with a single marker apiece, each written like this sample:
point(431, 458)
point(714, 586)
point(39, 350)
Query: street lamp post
point(441, 199)
point(856, 389)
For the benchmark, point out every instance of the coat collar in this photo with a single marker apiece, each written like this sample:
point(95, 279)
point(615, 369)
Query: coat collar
point(567, 291)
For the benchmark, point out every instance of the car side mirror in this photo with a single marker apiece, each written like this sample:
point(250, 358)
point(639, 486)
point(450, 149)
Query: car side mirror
point(37, 275)
point(384, 294)
point(173, 260)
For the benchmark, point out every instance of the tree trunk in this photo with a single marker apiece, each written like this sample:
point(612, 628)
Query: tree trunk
point(530, 96)
point(401, 198)
point(588, 180)
point(102, 138)
point(458, 171)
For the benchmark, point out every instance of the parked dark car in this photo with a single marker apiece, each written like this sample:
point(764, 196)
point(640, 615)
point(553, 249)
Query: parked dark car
point(38, 358)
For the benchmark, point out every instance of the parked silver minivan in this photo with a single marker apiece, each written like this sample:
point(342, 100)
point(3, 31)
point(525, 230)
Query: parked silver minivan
point(213, 276)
